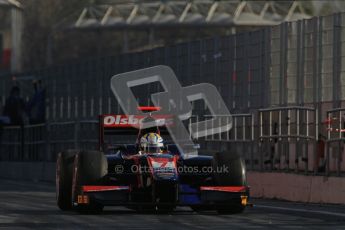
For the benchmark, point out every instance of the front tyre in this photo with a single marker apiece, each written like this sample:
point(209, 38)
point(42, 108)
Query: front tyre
point(229, 171)
point(64, 165)
point(89, 169)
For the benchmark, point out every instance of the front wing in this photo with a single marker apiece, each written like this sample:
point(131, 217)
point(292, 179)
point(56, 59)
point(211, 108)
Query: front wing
point(187, 196)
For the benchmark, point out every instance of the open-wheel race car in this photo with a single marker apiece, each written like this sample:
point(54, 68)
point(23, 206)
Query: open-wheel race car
point(148, 174)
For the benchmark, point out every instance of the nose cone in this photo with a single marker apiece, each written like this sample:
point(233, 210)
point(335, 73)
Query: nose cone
point(163, 167)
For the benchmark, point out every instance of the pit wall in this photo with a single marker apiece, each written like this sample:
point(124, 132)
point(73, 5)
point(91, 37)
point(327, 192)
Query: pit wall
point(33, 171)
point(284, 186)
point(299, 188)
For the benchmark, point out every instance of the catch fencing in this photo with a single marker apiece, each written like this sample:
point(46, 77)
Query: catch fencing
point(43, 142)
point(283, 139)
point(292, 64)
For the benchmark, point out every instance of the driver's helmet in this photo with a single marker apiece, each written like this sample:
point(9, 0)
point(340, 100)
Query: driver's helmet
point(151, 143)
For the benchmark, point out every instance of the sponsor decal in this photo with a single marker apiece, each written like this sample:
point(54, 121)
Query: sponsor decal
point(162, 166)
point(114, 121)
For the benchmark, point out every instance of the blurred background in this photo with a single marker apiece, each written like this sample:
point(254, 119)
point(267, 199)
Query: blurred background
point(277, 64)
point(38, 33)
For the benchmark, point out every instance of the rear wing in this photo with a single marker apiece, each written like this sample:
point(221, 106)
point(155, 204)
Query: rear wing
point(119, 124)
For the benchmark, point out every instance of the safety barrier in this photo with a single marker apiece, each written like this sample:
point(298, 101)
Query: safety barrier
point(43, 141)
point(281, 139)
point(240, 139)
point(12, 143)
point(335, 154)
point(287, 138)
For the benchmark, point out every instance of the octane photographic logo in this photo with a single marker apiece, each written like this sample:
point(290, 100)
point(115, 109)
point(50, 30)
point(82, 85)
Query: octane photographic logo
point(174, 101)
point(118, 169)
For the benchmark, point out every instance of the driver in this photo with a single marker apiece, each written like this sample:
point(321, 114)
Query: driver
point(151, 143)
point(143, 131)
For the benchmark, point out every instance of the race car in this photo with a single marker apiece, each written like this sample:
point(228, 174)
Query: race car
point(143, 169)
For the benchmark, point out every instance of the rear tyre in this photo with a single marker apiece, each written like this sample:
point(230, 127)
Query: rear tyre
point(89, 169)
point(229, 170)
point(64, 168)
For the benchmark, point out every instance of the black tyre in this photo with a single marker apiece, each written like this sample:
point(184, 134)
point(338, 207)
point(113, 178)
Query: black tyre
point(64, 168)
point(89, 169)
point(229, 171)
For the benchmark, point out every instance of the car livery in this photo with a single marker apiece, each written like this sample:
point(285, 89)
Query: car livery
point(118, 175)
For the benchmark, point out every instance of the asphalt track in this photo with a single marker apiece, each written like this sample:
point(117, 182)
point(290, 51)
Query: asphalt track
point(30, 205)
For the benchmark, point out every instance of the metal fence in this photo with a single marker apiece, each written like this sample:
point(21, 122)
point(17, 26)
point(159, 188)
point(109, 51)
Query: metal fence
point(82, 91)
point(288, 137)
point(293, 64)
point(335, 148)
point(283, 139)
point(44, 141)
point(237, 65)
